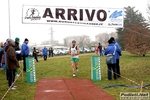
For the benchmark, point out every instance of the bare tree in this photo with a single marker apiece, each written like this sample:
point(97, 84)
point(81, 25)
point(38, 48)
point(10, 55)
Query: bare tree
point(136, 39)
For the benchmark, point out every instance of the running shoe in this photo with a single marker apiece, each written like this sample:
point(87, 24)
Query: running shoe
point(74, 75)
point(77, 69)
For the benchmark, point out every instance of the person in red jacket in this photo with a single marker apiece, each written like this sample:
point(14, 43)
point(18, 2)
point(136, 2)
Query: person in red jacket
point(96, 50)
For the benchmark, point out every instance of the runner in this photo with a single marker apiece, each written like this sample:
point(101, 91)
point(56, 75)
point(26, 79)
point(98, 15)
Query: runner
point(74, 52)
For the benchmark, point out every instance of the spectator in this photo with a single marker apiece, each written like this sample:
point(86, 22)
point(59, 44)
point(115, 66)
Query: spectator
point(44, 51)
point(2, 56)
point(100, 49)
point(111, 50)
point(96, 50)
point(18, 55)
point(12, 62)
point(35, 54)
point(1, 53)
point(50, 52)
point(117, 57)
point(25, 52)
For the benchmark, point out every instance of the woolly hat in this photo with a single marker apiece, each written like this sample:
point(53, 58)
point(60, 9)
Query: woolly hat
point(10, 41)
point(17, 39)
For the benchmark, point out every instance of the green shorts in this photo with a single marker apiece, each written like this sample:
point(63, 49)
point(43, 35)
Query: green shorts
point(74, 59)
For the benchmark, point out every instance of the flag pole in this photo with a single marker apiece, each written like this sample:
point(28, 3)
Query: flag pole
point(9, 18)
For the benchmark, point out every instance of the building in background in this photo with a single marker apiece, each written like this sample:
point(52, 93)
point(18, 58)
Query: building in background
point(104, 37)
point(81, 41)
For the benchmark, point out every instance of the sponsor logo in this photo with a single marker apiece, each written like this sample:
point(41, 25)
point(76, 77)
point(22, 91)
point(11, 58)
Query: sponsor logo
point(116, 14)
point(32, 14)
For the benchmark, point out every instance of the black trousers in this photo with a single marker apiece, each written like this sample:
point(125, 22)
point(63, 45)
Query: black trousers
point(51, 54)
point(35, 57)
point(117, 68)
point(45, 57)
point(7, 73)
point(11, 77)
point(24, 63)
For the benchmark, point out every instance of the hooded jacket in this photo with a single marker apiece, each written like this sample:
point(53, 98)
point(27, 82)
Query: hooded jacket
point(110, 50)
point(24, 49)
point(118, 54)
point(12, 62)
point(44, 51)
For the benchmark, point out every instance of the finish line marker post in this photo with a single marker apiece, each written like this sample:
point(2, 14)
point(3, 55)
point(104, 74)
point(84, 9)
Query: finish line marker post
point(95, 68)
point(30, 70)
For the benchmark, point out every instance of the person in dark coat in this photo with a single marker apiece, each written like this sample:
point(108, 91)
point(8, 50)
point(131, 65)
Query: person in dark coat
point(17, 48)
point(12, 62)
point(18, 55)
point(50, 52)
point(100, 49)
point(1, 55)
point(35, 54)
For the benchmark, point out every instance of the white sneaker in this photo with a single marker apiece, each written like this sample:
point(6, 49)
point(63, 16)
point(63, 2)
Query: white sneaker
point(74, 75)
point(13, 88)
point(17, 75)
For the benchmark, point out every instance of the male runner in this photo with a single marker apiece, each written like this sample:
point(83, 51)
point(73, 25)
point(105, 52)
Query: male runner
point(74, 52)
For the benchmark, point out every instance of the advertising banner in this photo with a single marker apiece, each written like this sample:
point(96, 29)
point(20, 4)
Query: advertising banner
point(95, 68)
point(101, 17)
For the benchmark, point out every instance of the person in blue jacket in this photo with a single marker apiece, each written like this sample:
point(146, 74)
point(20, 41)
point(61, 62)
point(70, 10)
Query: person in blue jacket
point(44, 51)
point(117, 57)
point(25, 52)
point(110, 50)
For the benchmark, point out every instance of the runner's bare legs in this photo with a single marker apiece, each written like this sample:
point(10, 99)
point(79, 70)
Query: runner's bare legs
point(73, 66)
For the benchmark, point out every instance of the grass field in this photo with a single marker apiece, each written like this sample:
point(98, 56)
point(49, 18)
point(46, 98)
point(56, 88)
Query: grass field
point(133, 67)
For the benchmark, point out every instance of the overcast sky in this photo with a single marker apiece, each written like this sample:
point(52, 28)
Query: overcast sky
point(37, 33)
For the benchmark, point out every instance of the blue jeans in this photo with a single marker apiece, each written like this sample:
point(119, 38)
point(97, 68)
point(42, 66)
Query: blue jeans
point(101, 52)
point(110, 68)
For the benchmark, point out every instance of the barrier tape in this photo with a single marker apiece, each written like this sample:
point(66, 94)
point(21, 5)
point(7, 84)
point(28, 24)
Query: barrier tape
point(131, 80)
point(11, 85)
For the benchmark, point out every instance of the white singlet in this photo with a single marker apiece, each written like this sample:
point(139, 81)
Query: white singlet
point(74, 51)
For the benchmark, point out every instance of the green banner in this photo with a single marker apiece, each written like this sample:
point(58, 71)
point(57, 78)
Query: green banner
point(30, 70)
point(95, 68)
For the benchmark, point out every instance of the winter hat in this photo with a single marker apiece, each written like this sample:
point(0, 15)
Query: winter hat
point(17, 39)
point(26, 39)
point(10, 41)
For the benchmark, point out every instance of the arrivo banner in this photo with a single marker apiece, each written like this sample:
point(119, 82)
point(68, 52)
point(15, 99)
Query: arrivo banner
point(101, 17)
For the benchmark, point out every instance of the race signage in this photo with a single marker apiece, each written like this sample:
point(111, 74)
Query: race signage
point(95, 68)
point(30, 70)
point(101, 17)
